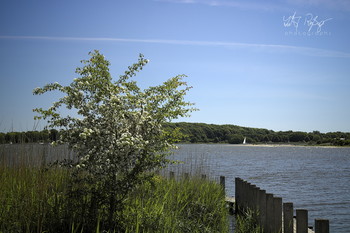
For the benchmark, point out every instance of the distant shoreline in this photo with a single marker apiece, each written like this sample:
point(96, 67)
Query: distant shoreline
point(285, 145)
point(267, 145)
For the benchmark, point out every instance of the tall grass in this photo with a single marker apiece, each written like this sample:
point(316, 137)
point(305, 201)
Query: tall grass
point(186, 205)
point(247, 222)
point(32, 154)
point(192, 162)
point(34, 199)
point(31, 199)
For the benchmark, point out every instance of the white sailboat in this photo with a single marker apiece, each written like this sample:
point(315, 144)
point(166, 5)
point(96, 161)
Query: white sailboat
point(244, 141)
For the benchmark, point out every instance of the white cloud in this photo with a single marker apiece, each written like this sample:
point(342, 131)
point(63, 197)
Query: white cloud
point(343, 5)
point(245, 5)
point(308, 51)
point(281, 5)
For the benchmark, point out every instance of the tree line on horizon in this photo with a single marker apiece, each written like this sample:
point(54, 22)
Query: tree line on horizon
point(44, 136)
point(208, 133)
point(233, 134)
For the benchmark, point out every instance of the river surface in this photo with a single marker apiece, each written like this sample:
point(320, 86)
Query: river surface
point(313, 178)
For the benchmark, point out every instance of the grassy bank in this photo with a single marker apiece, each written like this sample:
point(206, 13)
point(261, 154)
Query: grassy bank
point(41, 200)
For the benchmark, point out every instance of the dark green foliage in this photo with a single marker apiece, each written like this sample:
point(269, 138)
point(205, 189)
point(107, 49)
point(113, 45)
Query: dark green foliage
point(298, 137)
point(29, 136)
point(209, 133)
point(235, 139)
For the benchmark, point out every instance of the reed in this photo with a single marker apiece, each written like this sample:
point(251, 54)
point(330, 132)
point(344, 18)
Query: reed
point(31, 198)
point(247, 223)
point(38, 198)
point(185, 205)
point(35, 199)
point(33, 155)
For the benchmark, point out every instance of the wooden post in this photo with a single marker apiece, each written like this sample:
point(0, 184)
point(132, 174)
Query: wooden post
point(255, 196)
point(244, 195)
point(251, 201)
point(262, 208)
point(302, 221)
point(238, 191)
point(321, 226)
point(269, 213)
point(222, 182)
point(254, 201)
point(277, 214)
point(288, 217)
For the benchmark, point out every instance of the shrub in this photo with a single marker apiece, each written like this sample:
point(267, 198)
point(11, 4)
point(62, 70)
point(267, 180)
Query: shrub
point(117, 135)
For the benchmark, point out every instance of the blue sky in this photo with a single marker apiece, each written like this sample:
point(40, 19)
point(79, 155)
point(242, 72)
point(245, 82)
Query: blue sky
point(280, 65)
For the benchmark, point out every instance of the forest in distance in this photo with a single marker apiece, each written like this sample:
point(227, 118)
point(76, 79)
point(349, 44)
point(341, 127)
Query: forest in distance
point(210, 133)
point(233, 134)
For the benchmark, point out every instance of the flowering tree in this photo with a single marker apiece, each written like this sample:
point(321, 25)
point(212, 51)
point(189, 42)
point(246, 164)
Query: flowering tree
point(117, 134)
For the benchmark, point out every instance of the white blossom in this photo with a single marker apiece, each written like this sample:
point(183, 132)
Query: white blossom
point(117, 120)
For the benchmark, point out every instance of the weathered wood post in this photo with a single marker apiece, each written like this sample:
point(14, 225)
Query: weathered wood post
point(238, 191)
point(277, 214)
point(288, 217)
point(262, 208)
point(251, 202)
point(240, 194)
point(302, 221)
point(255, 195)
point(244, 195)
point(247, 195)
point(222, 182)
point(321, 226)
point(255, 202)
point(269, 213)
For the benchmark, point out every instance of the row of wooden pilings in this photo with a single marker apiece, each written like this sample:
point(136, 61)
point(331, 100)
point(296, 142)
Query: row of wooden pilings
point(273, 215)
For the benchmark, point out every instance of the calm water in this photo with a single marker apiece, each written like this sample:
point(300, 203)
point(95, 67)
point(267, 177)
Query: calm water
point(313, 178)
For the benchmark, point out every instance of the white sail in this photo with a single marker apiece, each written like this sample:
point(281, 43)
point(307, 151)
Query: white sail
point(244, 141)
